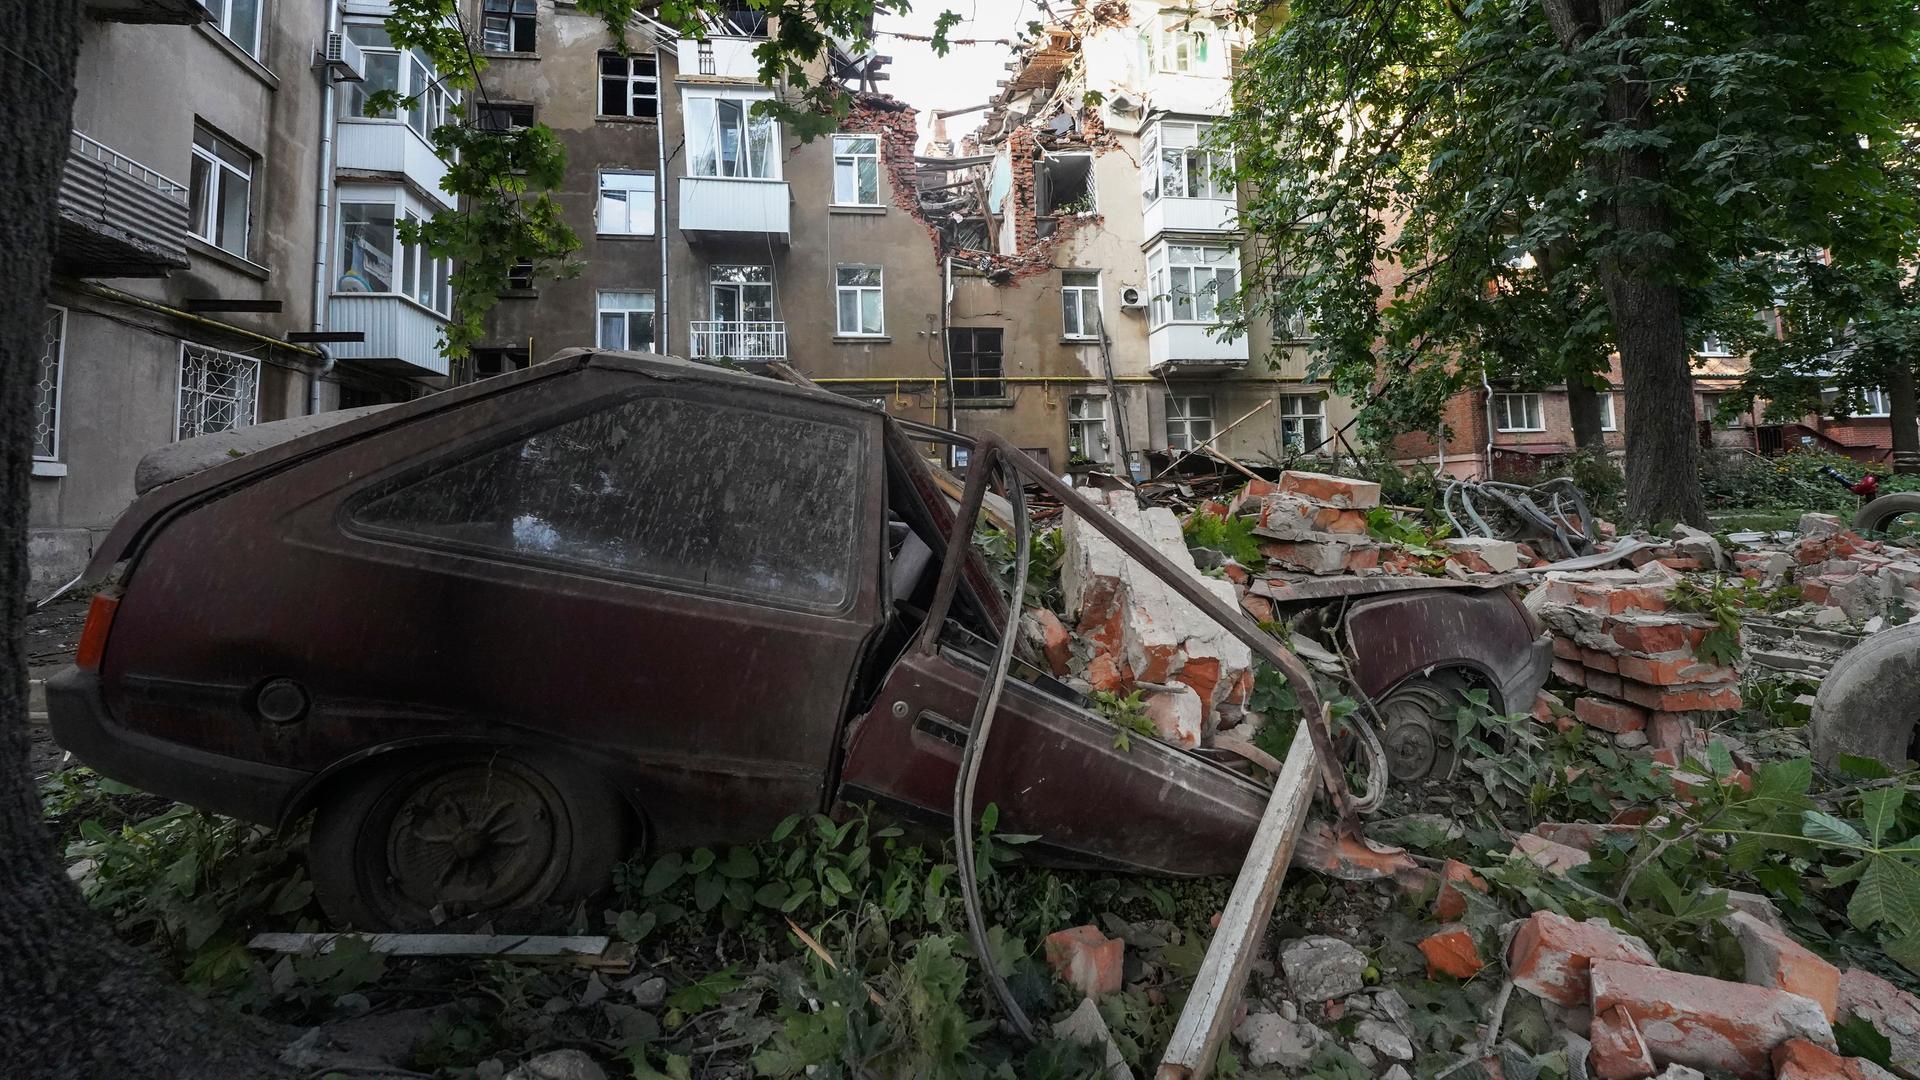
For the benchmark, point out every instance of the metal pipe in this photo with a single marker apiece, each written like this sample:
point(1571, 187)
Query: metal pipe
point(106, 293)
point(946, 352)
point(662, 324)
point(323, 212)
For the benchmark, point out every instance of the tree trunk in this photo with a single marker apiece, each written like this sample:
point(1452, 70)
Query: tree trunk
point(1901, 416)
point(1663, 452)
point(74, 1002)
point(1583, 408)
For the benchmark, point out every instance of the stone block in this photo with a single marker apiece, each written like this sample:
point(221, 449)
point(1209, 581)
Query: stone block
point(1494, 556)
point(1320, 968)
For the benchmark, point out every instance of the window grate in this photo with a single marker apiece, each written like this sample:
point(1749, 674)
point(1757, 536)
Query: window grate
point(46, 405)
point(219, 391)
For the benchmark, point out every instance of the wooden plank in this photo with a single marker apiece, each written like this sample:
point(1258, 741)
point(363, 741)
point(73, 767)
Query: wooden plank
point(1204, 1023)
point(998, 510)
point(588, 950)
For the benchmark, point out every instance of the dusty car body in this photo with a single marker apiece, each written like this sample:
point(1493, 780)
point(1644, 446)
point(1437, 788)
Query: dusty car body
point(496, 634)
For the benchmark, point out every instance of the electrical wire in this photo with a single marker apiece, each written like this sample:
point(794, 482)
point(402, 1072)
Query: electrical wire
point(984, 709)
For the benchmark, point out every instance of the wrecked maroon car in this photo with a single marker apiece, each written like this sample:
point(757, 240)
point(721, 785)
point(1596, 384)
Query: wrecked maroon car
point(496, 636)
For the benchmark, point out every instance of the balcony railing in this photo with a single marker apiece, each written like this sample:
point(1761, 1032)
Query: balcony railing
point(403, 338)
point(118, 218)
point(753, 342)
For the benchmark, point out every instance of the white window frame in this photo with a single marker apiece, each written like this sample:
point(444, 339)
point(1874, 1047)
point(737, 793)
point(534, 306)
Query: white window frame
point(191, 390)
point(1296, 412)
point(50, 384)
point(405, 263)
point(222, 12)
point(1609, 419)
point(1710, 345)
point(492, 21)
point(1080, 306)
point(1169, 263)
point(1177, 44)
point(704, 134)
point(636, 87)
point(1181, 420)
point(1529, 402)
point(632, 182)
point(859, 291)
point(1173, 154)
point(427, 101)
point(221, 174)
point(604, 306)
point(851, 158)
point(1878, 406)
point(1087, 427)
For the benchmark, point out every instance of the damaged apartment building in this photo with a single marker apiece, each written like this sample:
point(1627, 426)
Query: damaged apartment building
point(1055, 279)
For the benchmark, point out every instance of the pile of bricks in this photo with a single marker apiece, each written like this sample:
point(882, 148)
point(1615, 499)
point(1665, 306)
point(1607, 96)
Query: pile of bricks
point(1858, 579)
point(1640, 1018)
point(1313, 523)
point(1614, 636)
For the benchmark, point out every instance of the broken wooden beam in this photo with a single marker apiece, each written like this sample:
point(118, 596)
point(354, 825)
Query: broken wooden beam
point(1204, 1023)
point(584, 950)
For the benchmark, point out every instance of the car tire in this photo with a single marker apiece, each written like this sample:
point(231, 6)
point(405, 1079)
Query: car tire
point(1869, 705)
point(471, 833)
point(1881, 512)
point(1418, 720)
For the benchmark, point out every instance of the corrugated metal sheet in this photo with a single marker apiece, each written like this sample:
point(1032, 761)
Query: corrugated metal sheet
point(118, 217)
point(402, 337)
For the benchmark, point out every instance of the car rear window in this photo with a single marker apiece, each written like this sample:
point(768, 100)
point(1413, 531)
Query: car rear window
point(724, 499)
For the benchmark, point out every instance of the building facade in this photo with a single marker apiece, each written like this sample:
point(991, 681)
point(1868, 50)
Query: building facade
point(227, 188)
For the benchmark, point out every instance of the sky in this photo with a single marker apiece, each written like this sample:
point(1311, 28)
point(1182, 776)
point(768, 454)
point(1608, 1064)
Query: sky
point(965, 76)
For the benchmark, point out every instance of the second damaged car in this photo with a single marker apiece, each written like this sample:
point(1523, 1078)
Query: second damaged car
point(496, 637)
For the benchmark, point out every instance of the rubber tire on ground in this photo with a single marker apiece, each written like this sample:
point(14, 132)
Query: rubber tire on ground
point(1438, 694)
point(1869, 703)
point(1879, 513)
point(347, 855)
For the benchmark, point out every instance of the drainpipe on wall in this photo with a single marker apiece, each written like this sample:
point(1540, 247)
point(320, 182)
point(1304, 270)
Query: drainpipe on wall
point(663, 327)
point(1486, 463)
point(946, 352)
point(323, 215)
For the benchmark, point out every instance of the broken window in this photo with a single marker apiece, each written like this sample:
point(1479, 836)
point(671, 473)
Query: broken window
point(856, 170)
point(1063, 185)
point(490, 362)
point(1178, 164)
point(860, 301)
point(1189, 420)
point(973, 355)
point(509, 25)
point(1080, 303)
point(1177, 44)
point(629, 85)
point(1303, 422)
point(649, 489)
point(500, 116)
point(1087, 428)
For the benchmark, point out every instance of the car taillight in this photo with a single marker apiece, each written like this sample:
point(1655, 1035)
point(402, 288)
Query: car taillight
point(93, 637)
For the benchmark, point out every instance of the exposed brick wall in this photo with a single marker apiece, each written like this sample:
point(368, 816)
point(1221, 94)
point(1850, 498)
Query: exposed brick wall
point(897, 124)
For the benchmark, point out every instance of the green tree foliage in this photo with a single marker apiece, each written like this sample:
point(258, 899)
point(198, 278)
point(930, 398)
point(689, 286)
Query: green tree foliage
point(505, 180)
point(1518, 187)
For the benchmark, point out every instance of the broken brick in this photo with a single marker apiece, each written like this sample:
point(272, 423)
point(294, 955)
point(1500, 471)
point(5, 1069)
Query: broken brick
point(1616, 1051)
point(1547, 855)
point(1451, 951)
point(1332, 490)
point(1707, 1023)
point(1776, 960)
point(1551, 955)
point(1087, 959)
point(1681, 698)
point(1798, 1059)
point(1609, 715)
point(1055, 643)
point(1106, 674)
point(1672, 671)
point(1892, 1011)
point(1450, 903)
point(1565, 649)
point(1569, 671)
point(1651, 635)
point(1599, 661)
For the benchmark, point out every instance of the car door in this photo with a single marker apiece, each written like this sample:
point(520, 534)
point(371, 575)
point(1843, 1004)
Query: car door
point(673, 575)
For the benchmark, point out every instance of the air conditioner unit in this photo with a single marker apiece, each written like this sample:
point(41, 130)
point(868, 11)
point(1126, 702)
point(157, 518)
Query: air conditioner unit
point(345, 63)
point(1131, 299)
point(1120, 103)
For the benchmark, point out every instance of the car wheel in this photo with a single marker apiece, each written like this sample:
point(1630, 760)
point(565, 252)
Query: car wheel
point(413, 843)
point(1419, 716)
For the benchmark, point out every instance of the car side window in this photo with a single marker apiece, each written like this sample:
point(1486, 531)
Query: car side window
point(724, 499)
